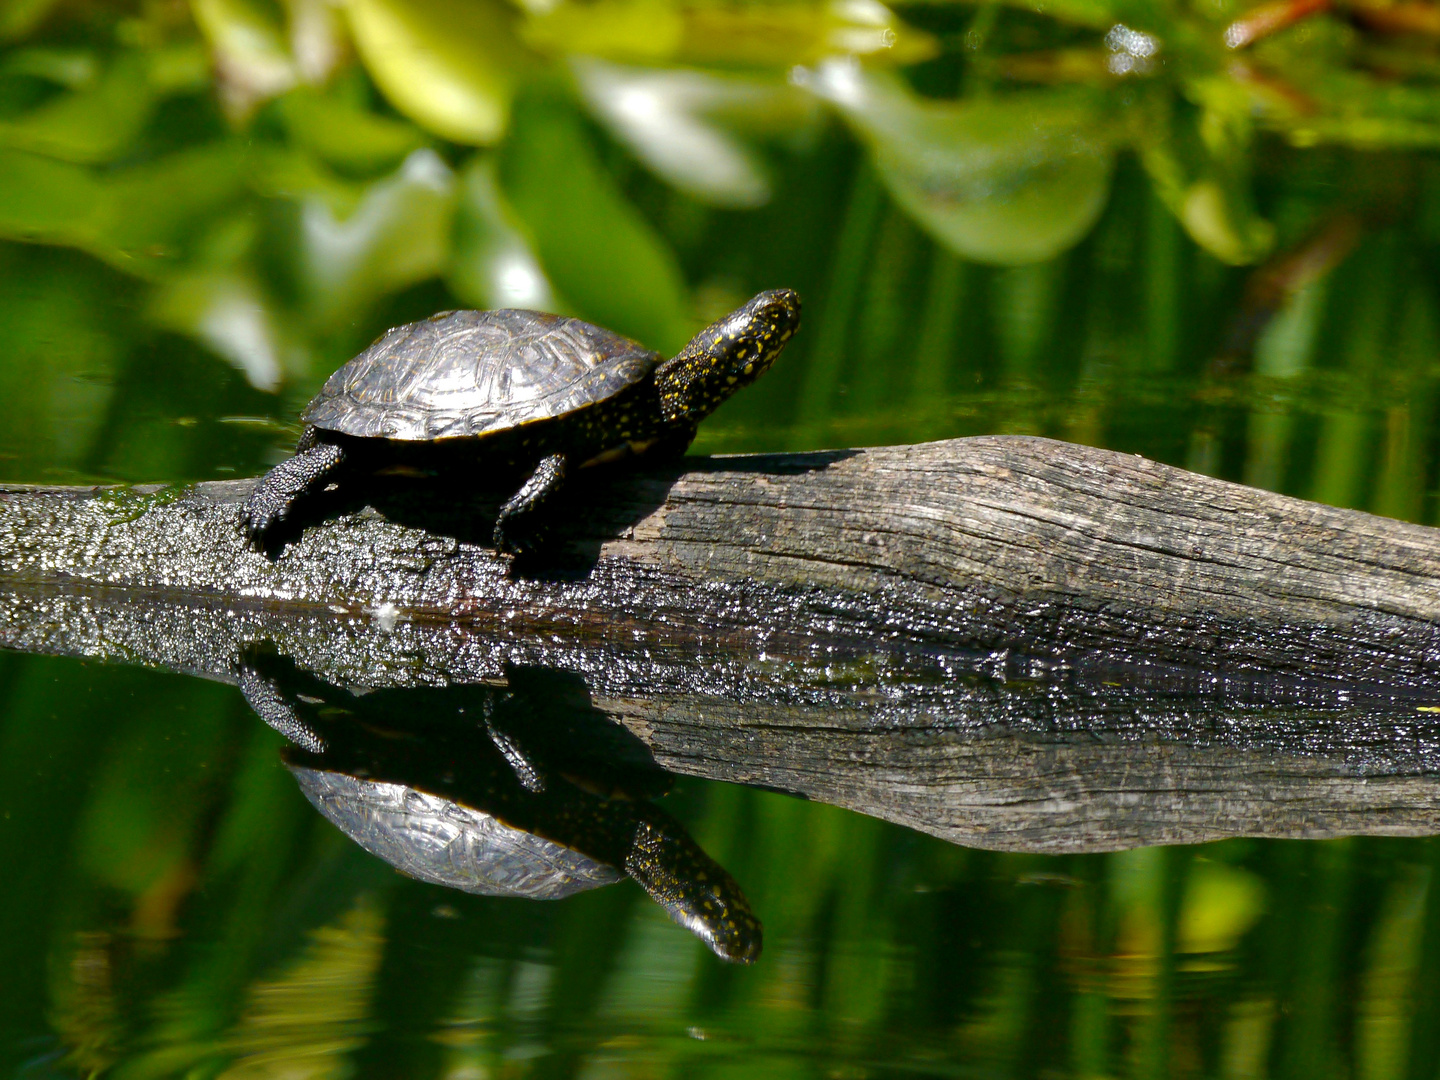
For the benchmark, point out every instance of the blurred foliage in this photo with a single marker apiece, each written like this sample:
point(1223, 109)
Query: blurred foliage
point(280, 179)
point(1199, 231)
point(1029, 217)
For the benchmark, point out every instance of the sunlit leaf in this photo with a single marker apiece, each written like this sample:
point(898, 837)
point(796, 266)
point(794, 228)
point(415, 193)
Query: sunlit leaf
point(316, 1005)
point(252, 56)
point(1221, 903)
point(698, 31)
point(398, 234)
point(662, 117)
point(637, 30)
point(181, 67)
point(1011, 179)
point(601, 255)
point(447, 64)
point(493, 265)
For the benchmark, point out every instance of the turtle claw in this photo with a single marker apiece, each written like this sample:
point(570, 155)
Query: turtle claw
point(264, 693)
point(517, 542)
point(253, 526)
point(260, 517)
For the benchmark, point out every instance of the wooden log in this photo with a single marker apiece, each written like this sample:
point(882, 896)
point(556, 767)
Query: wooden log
point(1009, 642)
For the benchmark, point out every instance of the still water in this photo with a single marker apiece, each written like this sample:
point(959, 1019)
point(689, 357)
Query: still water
point(1196, 233)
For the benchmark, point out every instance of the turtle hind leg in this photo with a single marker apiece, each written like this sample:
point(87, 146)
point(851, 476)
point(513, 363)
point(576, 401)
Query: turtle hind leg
point(520, 525)
point(314, 465)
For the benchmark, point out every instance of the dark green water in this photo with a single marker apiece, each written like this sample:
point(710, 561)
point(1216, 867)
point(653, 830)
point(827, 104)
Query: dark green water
point(1008, 219)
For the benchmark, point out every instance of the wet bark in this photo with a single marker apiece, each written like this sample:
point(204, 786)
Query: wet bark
point(1009, 642)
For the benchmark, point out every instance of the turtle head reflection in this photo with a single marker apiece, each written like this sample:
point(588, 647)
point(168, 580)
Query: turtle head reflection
point(515, 790)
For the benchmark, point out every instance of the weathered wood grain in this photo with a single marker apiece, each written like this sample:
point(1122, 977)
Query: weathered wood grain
point(1009, 642)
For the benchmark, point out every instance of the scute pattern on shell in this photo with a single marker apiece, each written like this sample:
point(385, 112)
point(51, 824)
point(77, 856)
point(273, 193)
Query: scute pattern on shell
point(469, 373)
point(434, 839)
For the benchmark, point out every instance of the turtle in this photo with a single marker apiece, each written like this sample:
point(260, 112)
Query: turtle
point(528, 392)
point(520, 791)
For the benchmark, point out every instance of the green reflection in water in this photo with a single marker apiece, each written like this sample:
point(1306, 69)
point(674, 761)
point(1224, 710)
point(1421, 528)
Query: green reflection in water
point(205, 208)
point(214, 925)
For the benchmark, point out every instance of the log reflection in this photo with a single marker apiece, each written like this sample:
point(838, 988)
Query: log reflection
point(997, 750)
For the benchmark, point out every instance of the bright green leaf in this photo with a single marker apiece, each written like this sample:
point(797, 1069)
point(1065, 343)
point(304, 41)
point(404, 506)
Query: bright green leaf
point(702, 32)
point(343, 134)
point(1221, 903)
point(447, 64)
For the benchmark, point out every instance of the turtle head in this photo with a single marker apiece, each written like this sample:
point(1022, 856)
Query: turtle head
point(726, 355)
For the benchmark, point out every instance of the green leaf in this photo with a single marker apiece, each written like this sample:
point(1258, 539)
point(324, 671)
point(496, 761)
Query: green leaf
point(723, 34)
point(1010, 180)
point(138, 220)
point(153, 212)
point(344, 135)
point(1198, 164)
point(47, 201)
point(95, 122)
point(601, 254)
point(449, 65)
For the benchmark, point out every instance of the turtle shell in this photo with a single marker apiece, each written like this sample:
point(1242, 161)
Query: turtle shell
point(463, 374)
point(441, 841)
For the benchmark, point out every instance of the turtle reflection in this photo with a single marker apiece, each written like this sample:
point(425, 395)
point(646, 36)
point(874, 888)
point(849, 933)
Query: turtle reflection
point(521, 790)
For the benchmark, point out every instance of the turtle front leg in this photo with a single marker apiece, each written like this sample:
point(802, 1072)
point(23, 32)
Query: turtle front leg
point(313, 466)
point(277, 708)
point(520, 525)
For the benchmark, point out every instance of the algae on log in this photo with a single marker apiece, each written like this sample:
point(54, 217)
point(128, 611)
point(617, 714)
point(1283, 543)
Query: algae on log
point(1008, 642)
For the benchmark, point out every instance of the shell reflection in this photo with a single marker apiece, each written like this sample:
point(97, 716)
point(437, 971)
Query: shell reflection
point(517, 790)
